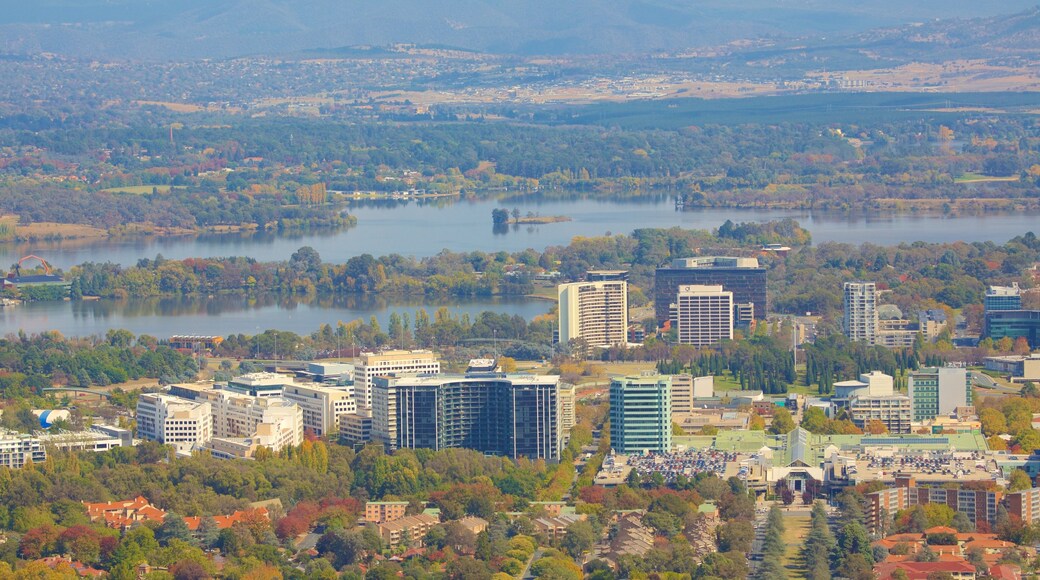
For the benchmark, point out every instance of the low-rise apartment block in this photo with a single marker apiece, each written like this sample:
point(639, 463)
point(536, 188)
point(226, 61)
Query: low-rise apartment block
point(410, 529)
point(17, 449)
point(380, 512)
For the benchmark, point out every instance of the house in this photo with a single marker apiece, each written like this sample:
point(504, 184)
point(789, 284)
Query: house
point(122, 515)
point(225, 522)
point(960, 570)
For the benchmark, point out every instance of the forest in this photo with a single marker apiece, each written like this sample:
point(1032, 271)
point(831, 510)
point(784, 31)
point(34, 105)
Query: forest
point(261, 171)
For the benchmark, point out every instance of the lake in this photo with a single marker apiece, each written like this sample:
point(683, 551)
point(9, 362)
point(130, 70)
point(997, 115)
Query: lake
point(424, 229)
point(228, 314)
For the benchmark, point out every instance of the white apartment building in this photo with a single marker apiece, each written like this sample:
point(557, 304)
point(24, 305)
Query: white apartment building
point(17, 449)
point(170, 420)
point(565, 400)
point(596, 312)
point(398, 362)
point(322, 406)
point(861, 315)
point(703, 314)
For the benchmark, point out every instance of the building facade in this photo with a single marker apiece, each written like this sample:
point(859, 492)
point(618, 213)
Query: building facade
point(1002, 298)
point(686, 389)
point(938, 391)
point(240, 416)
point(566, 401)
point(355, 428)
point(894, 411)
point(861, 315)
point(391, 362)
point(703, 315)
point(501, 414)
point(741, 276)
point(596, 312)
point(259, 384)
point(1025, 505)
point(181, 423)
point(978, 505)
point(17, 449)
point(641, 414)
point(1013, 324)
point(322, 407)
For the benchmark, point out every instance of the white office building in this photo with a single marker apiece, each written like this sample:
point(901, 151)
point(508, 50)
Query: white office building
point(391, 362)
point(241, 416)
point(322, 407)
point(183, 424)
point(703, 315)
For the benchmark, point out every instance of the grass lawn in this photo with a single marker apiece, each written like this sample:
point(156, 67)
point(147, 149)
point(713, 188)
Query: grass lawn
point(979, 178)
point(796, 528)
point(140, 189)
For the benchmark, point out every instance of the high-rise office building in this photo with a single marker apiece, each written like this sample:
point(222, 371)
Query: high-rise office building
point(938, 391)
point(1003, 298)
point(641, 414)
point(391, 362)
point(596, 312)
point(512, 415)
point(861, 315)
point(703, 315)
point(741, 276)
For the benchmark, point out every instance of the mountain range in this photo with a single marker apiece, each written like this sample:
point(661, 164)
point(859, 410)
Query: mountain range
point(192, 29)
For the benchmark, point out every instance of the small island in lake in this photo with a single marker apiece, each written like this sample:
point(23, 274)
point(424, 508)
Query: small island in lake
point(502, 217)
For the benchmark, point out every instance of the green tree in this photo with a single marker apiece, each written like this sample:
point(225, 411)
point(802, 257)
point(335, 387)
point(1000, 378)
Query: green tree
point(782, 422)
point(1019, 481)
point(173, 528)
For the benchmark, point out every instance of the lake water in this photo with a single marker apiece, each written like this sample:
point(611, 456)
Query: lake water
point(224, 315)
point(424, 229)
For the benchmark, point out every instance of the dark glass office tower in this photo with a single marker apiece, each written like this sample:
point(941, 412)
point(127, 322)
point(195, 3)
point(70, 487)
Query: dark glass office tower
point(512, 415)
point(741, 276)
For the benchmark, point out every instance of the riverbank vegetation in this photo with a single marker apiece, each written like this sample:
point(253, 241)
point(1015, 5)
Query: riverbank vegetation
point(268, 172)
point(807, 278)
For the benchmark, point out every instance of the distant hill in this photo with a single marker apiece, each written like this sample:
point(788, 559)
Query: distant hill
point(187, 29)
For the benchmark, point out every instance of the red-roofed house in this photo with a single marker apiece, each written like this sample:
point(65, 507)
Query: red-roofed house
point(920, 570)
point(122, 515)
point(225, 522)
point(1005, 572)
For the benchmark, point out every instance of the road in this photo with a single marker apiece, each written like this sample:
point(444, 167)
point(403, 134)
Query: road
point(984, 381)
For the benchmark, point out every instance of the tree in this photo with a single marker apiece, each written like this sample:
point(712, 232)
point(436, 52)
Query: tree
point(580, 538)
point(1019, 481)
point(875, 427)
point(782, 422)
point(814, 420)
point(735, 536)
point(499, 216)
point(173, 528)
point(961, 523)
